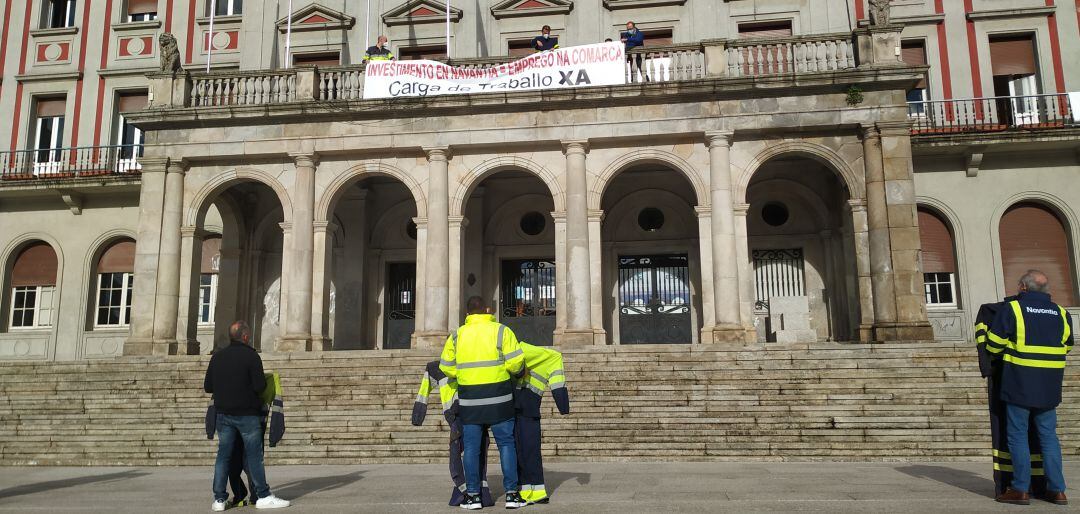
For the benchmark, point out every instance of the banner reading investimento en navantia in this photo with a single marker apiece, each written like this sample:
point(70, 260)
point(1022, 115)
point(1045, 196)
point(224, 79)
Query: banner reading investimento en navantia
point(601, 64)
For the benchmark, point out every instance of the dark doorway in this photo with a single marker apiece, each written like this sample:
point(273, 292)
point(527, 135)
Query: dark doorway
point(400, 305)
point(654, 299)
point(528, 299)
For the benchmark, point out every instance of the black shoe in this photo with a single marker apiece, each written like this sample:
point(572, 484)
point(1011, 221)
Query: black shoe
point(515, 501)
point(471, 502)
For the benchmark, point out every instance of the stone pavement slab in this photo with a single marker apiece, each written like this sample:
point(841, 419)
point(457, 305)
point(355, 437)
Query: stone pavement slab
point(576, 488)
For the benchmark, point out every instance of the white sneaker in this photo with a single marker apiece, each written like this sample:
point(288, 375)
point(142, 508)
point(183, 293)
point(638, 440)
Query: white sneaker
point(271, 502)
point(218, 506)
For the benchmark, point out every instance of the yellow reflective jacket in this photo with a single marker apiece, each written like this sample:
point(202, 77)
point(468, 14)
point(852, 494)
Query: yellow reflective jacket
point(481, 356)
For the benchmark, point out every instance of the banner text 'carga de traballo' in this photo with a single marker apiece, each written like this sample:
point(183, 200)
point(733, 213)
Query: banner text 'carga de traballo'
point(601, 64)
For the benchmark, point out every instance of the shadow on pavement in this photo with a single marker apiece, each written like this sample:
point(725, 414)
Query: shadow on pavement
point(958, 478)
point(44, 487)
point(300, 488)
point(553, 479)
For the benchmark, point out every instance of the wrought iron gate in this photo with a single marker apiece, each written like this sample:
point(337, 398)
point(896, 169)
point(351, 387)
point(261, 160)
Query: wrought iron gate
point(654, 299)
point(399, 304)
point(527, 300)
point(777, 273)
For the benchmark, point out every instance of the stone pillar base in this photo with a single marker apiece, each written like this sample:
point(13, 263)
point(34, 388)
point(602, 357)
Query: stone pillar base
point(294, 343)
point(866, 333)
point(191, 347)
point(430, 340)
point(146, 347)
point(578, 338)
point(726, 334)
point(321, 344)
point(903, 332)
point(138, 346)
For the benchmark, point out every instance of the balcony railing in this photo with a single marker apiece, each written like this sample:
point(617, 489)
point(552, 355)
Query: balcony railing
point(712, 58)
point(994, 114)
point(84, 161)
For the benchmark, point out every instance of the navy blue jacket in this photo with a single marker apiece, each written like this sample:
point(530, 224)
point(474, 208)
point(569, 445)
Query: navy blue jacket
point(541, 43)
point(634, 40)
point(1033, 347)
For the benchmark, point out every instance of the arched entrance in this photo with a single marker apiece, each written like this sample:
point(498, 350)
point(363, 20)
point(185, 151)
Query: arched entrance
point(508, 252)
point(651, 267)
point(243, 223)
point(801, 250)
point(371, 239)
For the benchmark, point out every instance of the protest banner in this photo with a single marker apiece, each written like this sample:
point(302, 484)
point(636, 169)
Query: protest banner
point(601, 64)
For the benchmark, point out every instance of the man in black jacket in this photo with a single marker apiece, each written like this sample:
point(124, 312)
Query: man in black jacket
point(235, 378)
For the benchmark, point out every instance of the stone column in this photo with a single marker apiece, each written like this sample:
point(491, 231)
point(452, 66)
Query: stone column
point(561, 288)
point(596, 282)
point(322, 277)
point(725, 267)
point(457, 231)
point(190, 271)
point(904, 242)
point(579, 328)
point(865, 287)
point(437, 266)
point(148, 241)
point(877, 217)
point(421, 280)
point(301, 260)
point(705, 256)
point(746, 272)
point(167, 295)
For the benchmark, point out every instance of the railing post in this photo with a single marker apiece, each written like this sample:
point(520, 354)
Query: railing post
point(305, 83)
point(169, 89)
point(878, 46)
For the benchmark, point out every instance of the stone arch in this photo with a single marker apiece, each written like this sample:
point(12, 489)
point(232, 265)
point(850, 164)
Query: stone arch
point(647, 156)
point(1048, 200)
point(499, 217)
point(807, 195)
point(222, 181)
point(360, 171)
point(94, 252)
point(382, 227)
point(668, 201)
point(10, 252)
point(856, 187)
point(477, 174)
point(952, 220)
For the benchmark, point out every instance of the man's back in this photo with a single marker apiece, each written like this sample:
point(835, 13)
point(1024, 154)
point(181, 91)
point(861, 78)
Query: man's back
point(235, 378)
point(1032, 334)
point(481, 355)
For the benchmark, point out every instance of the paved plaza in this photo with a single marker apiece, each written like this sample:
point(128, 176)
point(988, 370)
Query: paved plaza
point(577, 487)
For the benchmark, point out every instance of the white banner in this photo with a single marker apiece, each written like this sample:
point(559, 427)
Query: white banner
point(601, 64)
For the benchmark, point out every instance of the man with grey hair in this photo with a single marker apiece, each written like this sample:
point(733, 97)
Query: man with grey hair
point(235, 378)
point(1031, 336)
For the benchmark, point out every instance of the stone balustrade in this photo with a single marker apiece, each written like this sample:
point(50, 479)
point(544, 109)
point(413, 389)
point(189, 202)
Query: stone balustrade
point(757, 57)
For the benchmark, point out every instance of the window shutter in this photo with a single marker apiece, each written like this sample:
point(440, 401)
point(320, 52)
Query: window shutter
point(35, 266)
point(662, 37)
point(131, 102)
point(765, 30)
point(938, 253)
point(914, 53)
point(118, 258)
point(1012, 56)
point(47, 107)
point(211, 254)
point(1033, 237)
point(142, 6)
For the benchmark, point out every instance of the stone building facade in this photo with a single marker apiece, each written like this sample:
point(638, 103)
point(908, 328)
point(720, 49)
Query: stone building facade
point(780, 150)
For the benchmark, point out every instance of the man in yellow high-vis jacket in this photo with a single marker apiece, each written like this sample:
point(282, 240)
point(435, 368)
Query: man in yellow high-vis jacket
point(483, 356)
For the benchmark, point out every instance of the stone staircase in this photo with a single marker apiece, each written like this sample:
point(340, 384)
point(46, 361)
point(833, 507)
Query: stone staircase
point(821, 401)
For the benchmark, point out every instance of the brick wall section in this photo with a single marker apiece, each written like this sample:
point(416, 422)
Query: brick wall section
point(834, 402)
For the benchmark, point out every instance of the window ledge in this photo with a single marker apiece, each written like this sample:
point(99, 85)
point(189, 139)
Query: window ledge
point(132, 26)
point(102, 329)
point(62, 31)
point(41, 77)
point(1011, 13)
point(928, 19)
point(221, 20)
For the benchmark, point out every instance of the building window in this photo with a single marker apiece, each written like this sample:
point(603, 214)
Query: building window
point(416, 53)
point(769, 29)
point(913, 52)
point(1012, 60)
point(58, 14)
point(317, 59)
point(938, 259)
point(48, 130)
point(519, 47)
point(33, 287)
point(658, 37)
point(141, 10)
point(208, 278)
point(115, 272)
point(1034, 237)
point(226, 7)
point(129, 138)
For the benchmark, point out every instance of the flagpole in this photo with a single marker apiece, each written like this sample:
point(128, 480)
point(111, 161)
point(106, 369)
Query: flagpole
point(447, 29)
point(288, 37)
point(210, 35)
point(367, 26)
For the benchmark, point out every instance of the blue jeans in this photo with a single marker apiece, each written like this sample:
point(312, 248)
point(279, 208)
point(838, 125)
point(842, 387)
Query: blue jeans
point(504, 439)
point(1046, 425)
point(249, 430)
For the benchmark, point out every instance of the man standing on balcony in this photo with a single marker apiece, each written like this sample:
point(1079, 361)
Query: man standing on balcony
point(1032, 335)
point(379, 52)
point(633, 38)
point(235, 378)
point(545, 41)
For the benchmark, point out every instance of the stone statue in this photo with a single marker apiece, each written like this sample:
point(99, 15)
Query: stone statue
point(170, 53)
point(879, 13)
